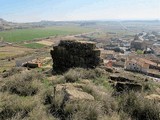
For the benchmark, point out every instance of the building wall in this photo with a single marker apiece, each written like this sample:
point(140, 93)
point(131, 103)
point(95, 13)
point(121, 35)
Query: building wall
point(133, 66)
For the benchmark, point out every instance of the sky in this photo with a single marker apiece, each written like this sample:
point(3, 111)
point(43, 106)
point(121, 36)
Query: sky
point(72, 10)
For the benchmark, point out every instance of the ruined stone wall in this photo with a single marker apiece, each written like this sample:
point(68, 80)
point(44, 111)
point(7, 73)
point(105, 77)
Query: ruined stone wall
point(72, 53)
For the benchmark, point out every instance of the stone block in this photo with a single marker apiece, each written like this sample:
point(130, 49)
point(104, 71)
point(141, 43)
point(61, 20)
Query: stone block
point(73, 53)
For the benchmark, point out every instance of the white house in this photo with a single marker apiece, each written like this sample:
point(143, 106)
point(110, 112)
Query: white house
point(136, 64)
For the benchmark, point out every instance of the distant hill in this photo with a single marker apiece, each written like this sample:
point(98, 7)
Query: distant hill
point(5, 25)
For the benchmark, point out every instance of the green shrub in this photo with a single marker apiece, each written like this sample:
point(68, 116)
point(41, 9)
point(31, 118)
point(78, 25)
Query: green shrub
point(84, 110)
point(104, 96)
point(21, 88)
point(13, 105)
point(74, 75)
point(40, 113)
point(48, 96)
point(91, 73)
point(138, 107)
point(59, 80)
point(150, 86)
point(25, 84)
point(103, 81)
point(139, 52)
point(12, 71)
point(57, 105)
point(22, 97)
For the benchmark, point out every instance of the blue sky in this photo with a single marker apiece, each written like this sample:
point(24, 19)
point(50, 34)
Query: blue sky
point(66, 10)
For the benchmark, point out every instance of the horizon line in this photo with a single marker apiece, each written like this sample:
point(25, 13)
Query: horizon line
point(100, 20)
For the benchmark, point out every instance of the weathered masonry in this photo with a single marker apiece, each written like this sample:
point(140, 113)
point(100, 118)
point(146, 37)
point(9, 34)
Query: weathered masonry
point(73, 53)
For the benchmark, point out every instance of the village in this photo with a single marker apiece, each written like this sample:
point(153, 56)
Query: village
point(140, 54)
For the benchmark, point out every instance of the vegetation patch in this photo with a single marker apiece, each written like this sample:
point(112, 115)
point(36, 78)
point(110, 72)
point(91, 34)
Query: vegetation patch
point(32, 33)
point(13, 105)
point(14, 70)
point(22, 84)
point(139, 52)
point(138, 107)
point(74, 75)
point(34, 45)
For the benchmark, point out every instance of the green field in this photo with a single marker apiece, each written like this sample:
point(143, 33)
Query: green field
point(34, 45)
point(21, 35)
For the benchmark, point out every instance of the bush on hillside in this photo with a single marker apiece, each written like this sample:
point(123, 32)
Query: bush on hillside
point(25, 84)
point(14, 70)
point(74, 75)
point(139, 108)
point(13, 105)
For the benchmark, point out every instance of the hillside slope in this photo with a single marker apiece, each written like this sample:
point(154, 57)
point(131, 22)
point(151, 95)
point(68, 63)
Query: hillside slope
point(78, 94)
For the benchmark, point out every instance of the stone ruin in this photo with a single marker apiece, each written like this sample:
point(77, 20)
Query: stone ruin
point(73, 53)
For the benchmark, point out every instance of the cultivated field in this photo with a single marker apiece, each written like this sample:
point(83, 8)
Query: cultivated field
point(21, 35)
point(34, 45)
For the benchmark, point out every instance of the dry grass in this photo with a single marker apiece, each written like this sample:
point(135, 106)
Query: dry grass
point(104, 96)
point(30, 96)
point(12, 105)
point(24, 84)
point(13, 71)
point(11, 51)
point(74, 75)
point(85, 110)
point(138, 107)
point(22, 97)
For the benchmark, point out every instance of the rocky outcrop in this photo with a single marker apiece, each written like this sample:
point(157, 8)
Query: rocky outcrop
point(74, 92)
point(126, 82)
point(120, 78)
point(125, 86)
point(73, 53)
point(153, 97)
